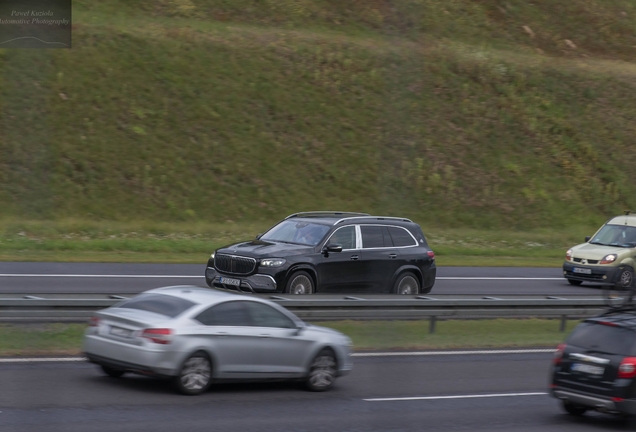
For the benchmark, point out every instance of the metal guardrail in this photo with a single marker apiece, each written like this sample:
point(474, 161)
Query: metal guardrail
point(79, 308)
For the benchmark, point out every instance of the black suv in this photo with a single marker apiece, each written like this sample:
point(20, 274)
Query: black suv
point(328, 252)
point(596, 368)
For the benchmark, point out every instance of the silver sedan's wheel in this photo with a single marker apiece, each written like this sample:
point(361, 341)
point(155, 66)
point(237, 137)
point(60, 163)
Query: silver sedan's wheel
point(322, 372)
point(407, 284)
point(195, 376)
point(300, 283)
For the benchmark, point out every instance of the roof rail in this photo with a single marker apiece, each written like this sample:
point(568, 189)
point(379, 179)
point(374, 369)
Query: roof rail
point(374, 217)
point(325, 213)
point(627, 212)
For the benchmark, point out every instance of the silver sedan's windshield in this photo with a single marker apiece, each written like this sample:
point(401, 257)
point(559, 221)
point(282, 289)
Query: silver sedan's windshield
point(616, 235)
point(288, 231)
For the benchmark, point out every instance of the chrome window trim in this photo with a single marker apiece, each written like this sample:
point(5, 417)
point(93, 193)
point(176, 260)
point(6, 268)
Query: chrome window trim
point(375, 217)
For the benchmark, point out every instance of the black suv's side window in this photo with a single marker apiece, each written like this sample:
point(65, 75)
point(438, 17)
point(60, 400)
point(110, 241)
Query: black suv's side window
point(266, 316)
point(401, 237)
point(232, 313)
point(345, 236)
point(375, 236)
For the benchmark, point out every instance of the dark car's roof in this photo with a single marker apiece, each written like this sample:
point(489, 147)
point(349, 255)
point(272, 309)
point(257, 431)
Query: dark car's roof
point(333, 218)
point(619, 319)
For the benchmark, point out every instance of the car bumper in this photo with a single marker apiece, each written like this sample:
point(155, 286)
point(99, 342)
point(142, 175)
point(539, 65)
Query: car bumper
point(602, 404)
point(597, 274)
point(134, 358)
point(252, 283)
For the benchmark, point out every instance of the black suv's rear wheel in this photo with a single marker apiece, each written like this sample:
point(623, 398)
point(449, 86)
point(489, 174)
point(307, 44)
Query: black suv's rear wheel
point(300, 283)
point(407, 284)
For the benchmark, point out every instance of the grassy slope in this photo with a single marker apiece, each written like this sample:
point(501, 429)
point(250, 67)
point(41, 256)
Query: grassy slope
point(219, 112)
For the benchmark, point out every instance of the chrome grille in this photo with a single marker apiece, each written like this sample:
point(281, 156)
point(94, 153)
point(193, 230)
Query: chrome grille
point(234, 264)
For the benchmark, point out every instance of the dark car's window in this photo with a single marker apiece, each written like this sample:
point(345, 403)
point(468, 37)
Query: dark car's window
point(401, 237)
point(233, 313)
point(603, 339)
point(345, 236)
point(158, 303)
point(266, 316)
point(374, 236)
point(293, 231)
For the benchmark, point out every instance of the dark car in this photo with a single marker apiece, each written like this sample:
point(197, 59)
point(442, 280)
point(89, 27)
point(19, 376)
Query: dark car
point(595, 369)
point(328, 252)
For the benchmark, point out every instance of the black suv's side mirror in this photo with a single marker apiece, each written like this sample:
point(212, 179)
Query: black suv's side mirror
point(332, 247)
point(587, 238)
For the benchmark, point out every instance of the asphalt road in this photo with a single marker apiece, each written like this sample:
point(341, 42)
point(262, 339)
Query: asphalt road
point(28, 278)
point(500, 392)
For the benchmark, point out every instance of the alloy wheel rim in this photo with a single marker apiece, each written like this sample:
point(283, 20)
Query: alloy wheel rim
point(408, 285)
point(196, 373)
point(323, 371)
point(301, 285)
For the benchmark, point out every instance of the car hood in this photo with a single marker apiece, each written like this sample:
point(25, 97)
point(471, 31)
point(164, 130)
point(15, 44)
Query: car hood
point(596, 252)
point(319, 329)
point(265, 249)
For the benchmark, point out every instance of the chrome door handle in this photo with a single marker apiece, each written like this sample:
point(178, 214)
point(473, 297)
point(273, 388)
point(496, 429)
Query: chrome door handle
point(392, 255)
point(355, 257)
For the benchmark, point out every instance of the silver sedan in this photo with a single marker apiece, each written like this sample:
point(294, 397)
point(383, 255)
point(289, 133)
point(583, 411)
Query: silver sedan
point(195, 336)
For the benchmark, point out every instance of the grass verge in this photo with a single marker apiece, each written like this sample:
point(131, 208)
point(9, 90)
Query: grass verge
point(66, 339)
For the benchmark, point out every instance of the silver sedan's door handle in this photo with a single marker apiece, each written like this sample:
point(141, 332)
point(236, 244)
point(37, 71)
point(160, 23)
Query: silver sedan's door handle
point(355, 257)
point(392, 255)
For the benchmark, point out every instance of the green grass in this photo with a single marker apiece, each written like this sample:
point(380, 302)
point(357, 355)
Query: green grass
point(90, 241)
point(209, 111)
point(65, 339)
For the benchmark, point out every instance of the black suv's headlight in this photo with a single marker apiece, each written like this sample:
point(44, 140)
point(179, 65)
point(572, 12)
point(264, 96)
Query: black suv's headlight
point(273, 262)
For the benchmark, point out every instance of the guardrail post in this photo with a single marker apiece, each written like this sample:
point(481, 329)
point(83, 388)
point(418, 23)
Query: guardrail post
point(432, 322)
point(563, 322)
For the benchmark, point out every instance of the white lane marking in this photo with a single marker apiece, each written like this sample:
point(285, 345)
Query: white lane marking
point(456, 397)
point(97, 276)
point(440, 353)
point(378, 354)
point(499, 278)
point(191, 276)
point(42, 359)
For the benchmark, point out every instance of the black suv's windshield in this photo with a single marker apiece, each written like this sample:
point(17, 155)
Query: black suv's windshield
point(289, 231)
point(616, 235)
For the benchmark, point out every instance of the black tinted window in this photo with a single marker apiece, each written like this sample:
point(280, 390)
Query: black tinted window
point(158, 303)
point(266, 316)
point(603, 338)
point(401, 237)
point(231, 313)
point(372, 236)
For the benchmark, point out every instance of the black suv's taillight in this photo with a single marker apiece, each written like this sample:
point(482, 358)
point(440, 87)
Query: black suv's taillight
point(627, 368)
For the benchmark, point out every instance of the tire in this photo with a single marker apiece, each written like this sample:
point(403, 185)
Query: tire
point(622, 292)
point(111, 372)
point(574, 282)
point(322, 371)
point(406, 284)
point(195, 375)
point(572, 409)
point(300, 283)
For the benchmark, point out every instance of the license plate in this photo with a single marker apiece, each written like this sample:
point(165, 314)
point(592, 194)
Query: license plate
point(582, 270)
point(121, 332)
point(230, 281)
point(587, 369)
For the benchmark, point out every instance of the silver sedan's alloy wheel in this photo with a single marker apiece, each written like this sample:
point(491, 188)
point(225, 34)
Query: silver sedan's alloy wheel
point(195, 374)
point(301, 284)
point(408, 285)
point(322, 372)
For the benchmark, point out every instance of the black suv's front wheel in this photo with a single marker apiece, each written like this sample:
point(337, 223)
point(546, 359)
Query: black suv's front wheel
point(300, 283)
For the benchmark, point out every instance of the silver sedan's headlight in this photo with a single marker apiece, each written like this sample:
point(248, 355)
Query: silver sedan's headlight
point(273, 262)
